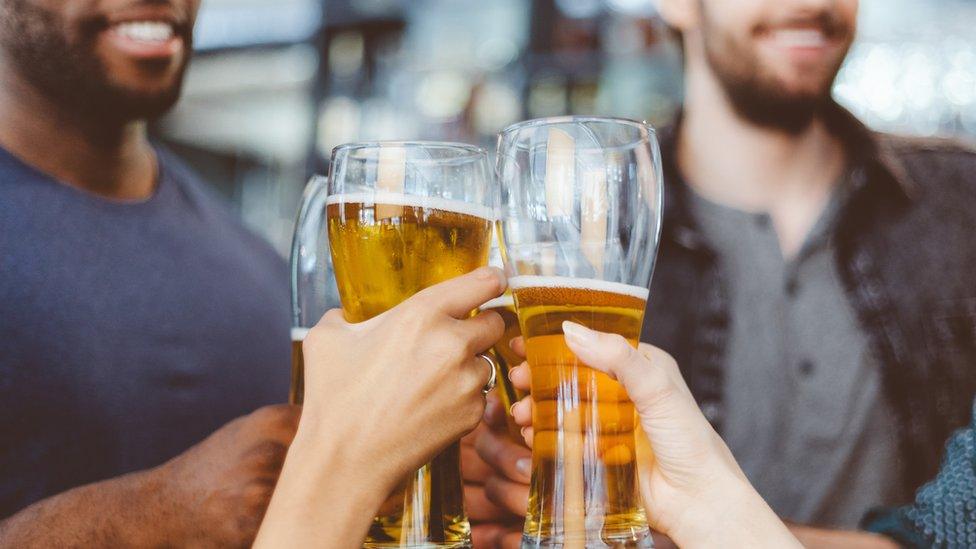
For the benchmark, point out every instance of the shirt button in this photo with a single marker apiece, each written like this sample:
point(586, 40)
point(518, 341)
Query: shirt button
point(806, 367)
point(791, 286)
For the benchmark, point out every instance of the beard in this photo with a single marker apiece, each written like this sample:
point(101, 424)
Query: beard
point(69, 71)
point(756, 94)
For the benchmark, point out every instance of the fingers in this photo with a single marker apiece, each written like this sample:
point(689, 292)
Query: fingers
point(511, 496)
point(518, 346)
point(613, 354)
point(494, 535)
point(479, 508)
point(494, 412)
point(461, 295)
point(528, 434)
point(473, 468)
point(522, 412)
point(512, 539)
point(482, 331)
point(521, 377)
point(505, 456)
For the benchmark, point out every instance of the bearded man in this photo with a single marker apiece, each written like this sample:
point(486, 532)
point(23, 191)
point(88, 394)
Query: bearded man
point(815, 279)
point(137, 315)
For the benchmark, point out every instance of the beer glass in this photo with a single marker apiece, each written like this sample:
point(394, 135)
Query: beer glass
point(313, 287)
point(502, 353)
point(404, 216)
point(580, 221)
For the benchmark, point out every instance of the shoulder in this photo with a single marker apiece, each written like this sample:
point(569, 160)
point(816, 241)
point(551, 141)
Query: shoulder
point(212, 207)
point(935, 157)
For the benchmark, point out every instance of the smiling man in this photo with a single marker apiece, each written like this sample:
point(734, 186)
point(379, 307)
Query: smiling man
point(137, 315)
point(814, 279)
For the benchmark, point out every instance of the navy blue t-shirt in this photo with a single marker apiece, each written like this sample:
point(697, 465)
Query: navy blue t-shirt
point(129, 331)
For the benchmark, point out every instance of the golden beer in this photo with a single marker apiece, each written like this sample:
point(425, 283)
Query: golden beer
point(505, 358)
point(296, 394)
point(386, 247)
point(584, 489)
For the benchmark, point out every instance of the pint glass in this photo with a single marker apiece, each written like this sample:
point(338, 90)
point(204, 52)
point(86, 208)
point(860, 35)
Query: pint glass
point(313, 287)
point(402, 217)
point(505, 358)
point(580, 221)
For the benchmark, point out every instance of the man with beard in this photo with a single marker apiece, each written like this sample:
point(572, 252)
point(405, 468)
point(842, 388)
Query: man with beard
point(815, 278)
point(136, 314)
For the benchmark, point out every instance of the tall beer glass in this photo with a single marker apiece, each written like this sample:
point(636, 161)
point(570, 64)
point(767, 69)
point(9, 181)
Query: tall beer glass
point(313, 287)
point(580, 222)
point(505, 358)
point(402, 217)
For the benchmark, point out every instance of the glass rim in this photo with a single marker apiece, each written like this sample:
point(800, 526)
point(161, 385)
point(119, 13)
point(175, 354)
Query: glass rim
point(570, 118)
point(469, 149)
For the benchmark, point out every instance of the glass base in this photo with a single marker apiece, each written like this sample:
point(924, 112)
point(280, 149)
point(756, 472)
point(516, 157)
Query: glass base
point(629, 539)
point(429, 545)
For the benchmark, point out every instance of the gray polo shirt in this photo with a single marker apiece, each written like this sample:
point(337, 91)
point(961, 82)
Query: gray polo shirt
point(805, 413)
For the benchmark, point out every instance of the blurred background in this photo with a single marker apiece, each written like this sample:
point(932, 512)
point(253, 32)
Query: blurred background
point(276, 84)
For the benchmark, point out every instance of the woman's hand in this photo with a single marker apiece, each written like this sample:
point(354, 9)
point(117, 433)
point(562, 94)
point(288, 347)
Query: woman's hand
point(693, 490)
point(382, 397)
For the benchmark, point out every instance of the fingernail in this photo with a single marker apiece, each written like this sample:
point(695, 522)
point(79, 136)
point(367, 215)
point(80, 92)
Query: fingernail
point(524, 466)
point(579, 334)
point(511, 409)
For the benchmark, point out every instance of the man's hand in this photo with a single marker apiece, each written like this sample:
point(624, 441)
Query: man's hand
point(217, 491)
point(495, 503)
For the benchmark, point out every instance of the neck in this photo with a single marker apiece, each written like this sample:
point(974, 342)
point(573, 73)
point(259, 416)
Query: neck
point(113, 160)
point(733, 162)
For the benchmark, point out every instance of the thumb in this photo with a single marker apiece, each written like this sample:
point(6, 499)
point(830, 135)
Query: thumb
point(648, 384)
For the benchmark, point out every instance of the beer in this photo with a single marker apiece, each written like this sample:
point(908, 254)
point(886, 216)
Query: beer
point(296, 394)
point(386, 247)
point(584, 489)
point(505, 358)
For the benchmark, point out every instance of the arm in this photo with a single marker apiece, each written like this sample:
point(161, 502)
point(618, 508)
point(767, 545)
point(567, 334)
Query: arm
point(840, 539)
point(214, 494)
point(113, 513)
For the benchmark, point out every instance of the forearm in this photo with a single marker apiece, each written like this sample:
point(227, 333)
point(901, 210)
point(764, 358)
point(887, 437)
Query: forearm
point(325, 497)
point(840, 539)
point(113, 513)
point(738, 517)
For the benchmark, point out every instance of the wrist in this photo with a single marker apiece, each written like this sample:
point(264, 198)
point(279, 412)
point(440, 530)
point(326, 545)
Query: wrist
point(730, 513)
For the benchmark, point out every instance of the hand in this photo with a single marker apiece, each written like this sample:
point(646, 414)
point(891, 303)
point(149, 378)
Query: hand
point(403, 372)
point(382, 397)
point(497, 514)
point(692, 488)
point(216, 492)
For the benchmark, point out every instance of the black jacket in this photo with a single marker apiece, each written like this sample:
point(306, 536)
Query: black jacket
point(906, 249)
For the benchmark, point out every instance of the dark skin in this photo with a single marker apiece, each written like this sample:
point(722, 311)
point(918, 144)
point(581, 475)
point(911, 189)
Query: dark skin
point(74, 96)
point(213, 495)
point(89, 132)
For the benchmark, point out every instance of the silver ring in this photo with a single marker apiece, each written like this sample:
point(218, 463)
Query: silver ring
point(493, 377)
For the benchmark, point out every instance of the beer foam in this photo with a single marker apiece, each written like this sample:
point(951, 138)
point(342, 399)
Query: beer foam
point(298, 334)
point(505, 300)
point(531, 281)
point(414, 201)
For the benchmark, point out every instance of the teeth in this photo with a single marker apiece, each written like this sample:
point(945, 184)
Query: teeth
point(146, 31)
point(800, 38)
